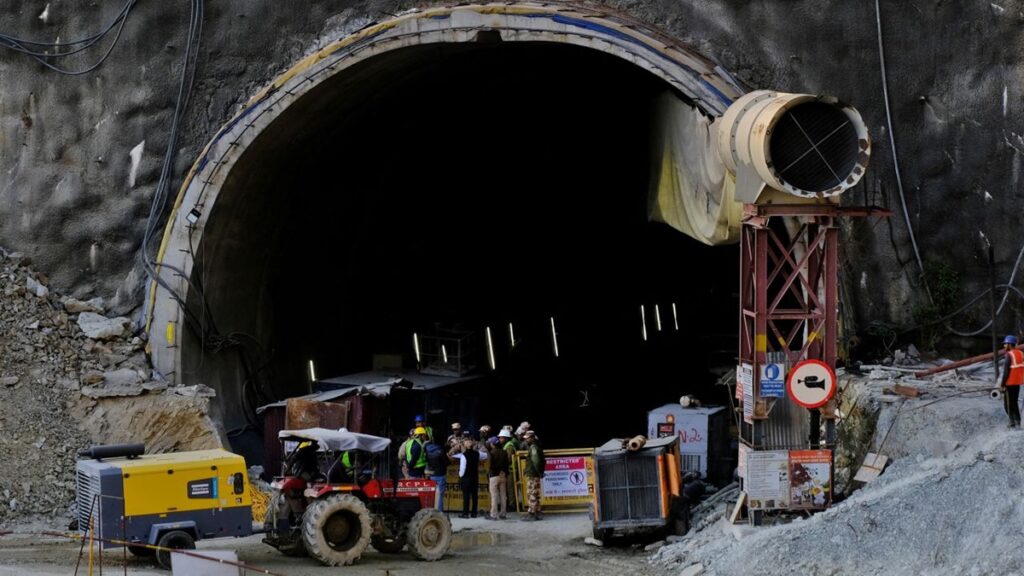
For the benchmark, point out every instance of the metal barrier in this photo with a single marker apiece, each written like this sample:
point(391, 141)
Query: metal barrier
point(568, 484)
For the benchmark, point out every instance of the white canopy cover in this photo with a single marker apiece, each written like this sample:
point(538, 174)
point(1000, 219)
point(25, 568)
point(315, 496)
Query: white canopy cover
point(338, 440)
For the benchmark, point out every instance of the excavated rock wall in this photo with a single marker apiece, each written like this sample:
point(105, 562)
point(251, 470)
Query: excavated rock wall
point(74, 199)
point(71, 377)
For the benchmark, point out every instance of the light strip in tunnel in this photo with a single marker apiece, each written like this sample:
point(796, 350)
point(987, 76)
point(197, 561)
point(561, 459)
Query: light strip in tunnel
point(312, 372)
point(657, 317)
point(416, 346)
point(490, 348)
point(511, 336)
point(675, 317)
point(444, 354)
point(554, 336)
point(643, 322)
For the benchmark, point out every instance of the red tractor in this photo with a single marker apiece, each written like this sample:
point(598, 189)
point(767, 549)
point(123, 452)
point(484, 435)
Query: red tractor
point(331, 505)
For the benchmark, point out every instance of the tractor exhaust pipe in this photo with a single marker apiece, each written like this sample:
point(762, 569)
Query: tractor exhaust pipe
point(803, 145)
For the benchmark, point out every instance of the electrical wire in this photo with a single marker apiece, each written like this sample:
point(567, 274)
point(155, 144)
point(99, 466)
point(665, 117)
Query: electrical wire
point(964, 308)
point(895, 157)
point(22, 46)
point(162, 191)
point(1002, 303)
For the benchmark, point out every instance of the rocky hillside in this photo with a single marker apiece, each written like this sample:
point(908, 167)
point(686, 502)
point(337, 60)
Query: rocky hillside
point(71, 377)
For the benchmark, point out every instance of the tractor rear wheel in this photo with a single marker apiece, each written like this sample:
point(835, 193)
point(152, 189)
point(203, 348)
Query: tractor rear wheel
point(430, 534)
point(387, 545)
point(336, 529)
point(176, 540)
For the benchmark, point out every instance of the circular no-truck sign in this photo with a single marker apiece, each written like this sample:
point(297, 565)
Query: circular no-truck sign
point(811, 383)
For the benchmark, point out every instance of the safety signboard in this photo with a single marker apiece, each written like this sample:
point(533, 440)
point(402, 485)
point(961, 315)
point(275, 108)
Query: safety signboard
point(746, 382)
point(772, 381)
point(566, 476)
point(811, 383)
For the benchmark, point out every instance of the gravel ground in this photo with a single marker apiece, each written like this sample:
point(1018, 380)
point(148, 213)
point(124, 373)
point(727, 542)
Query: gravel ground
point(553, 546)
point(948, 504)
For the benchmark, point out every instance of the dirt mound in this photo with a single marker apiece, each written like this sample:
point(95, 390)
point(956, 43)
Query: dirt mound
point(948, 504)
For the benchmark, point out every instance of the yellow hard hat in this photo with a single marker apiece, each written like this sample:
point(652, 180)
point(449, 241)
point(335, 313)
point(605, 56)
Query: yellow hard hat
point(421, 430)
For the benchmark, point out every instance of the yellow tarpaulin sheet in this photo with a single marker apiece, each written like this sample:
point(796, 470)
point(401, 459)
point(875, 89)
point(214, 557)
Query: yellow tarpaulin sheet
point(691, 190)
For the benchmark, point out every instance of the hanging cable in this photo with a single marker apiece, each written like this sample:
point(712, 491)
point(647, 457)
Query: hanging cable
point(38, 50)
point(895, 158)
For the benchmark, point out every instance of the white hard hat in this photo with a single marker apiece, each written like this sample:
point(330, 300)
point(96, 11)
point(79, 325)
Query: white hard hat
point(504, 433)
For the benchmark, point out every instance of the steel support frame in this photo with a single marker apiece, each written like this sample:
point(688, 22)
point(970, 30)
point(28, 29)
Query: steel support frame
point(788, 294)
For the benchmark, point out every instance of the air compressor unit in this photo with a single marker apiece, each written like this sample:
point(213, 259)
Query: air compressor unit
point(167, 500)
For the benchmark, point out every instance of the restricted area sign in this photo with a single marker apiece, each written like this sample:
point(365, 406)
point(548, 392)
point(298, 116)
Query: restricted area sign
point(811, 383)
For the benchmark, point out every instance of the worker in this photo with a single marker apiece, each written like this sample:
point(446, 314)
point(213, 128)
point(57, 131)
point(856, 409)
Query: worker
point(510, 447)
point(534, 475)
point(523, 427)
point(1013, 377)
point(416, 453)
point(497, 478)
point(485, 433)
point(455, 439)
point(469, 476)
point(420, 423)
point(403, 453)
point(437, 470)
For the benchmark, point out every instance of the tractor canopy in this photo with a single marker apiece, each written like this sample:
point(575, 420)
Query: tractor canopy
point(336, 440)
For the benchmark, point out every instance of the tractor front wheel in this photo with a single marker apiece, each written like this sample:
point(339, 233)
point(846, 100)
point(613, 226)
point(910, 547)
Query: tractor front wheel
point(336, 529)
point(430, 534)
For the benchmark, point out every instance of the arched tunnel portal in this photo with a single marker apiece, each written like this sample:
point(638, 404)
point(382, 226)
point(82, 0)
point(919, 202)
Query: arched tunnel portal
point(468, 168)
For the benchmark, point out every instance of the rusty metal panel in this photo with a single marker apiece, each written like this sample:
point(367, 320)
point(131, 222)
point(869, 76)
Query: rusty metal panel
point(300, 413)
point(368, 414)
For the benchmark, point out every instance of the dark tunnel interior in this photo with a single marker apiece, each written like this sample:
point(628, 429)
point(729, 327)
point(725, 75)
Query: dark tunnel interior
point(462, 187)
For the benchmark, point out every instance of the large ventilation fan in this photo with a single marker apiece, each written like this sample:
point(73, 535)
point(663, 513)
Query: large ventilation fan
point(807, 146)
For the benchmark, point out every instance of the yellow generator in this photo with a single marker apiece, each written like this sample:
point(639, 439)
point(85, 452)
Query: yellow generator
point(166, 500)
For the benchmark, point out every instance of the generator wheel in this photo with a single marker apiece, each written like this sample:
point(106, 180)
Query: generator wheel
point(336, 529)
point(387, 545)
point(177, 540)
point(142, 551)
point(290, 544)
point(430, 534)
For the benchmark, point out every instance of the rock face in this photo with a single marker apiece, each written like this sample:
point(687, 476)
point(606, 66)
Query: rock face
point(163, 422)
point(61, 391)
point(80, 156)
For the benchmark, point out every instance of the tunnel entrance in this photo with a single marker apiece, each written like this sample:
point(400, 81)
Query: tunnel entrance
point(468, 187)
point(436, 173)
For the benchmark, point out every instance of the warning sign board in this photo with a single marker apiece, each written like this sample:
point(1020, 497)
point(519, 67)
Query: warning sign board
point(811, 383)
point(568, 482)
point(772, 381)
point(566, 477)
point(745, 379)
point(766, 479)
point(810, 478)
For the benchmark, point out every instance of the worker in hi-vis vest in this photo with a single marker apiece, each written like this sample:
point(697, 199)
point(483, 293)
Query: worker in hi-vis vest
point(1013, 377)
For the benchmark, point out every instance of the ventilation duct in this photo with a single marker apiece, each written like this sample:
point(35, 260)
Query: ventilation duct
point(807, 146)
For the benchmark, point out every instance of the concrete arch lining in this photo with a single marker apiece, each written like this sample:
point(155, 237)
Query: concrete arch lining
point(708, 87)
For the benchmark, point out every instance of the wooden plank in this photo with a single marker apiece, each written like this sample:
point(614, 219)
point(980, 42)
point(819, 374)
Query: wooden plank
point(908, 391)
point(871, 468)
point(737, 510)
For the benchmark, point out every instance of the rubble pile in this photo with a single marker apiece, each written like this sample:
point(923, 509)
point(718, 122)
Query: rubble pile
point(70, 377)
point(947, 504)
